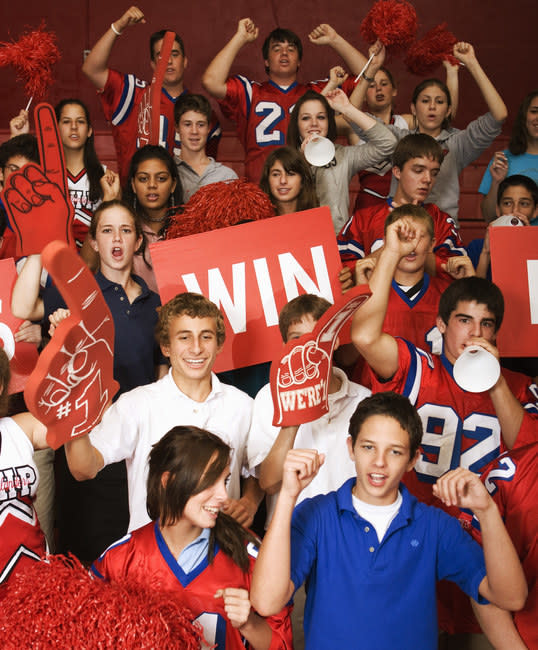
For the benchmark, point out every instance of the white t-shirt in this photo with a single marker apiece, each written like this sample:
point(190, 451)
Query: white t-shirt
point(141, 417)
point(328, 435)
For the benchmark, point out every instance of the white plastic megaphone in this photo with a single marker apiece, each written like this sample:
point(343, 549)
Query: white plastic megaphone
point(507, 220)
point(476, 370)
point(319, 151)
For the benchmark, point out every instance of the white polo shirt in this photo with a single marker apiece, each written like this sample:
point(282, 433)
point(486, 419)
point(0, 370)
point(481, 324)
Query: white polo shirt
point(141, 417)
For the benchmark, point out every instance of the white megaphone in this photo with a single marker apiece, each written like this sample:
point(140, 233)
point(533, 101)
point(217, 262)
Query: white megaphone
point(319, 151)
point(476, 370)
point(507, 220)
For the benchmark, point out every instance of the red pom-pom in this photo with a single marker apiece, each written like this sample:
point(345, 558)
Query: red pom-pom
point(32, 56)
point(57, 604)
point(393, 22)
point(219, 205)
point(428, 52)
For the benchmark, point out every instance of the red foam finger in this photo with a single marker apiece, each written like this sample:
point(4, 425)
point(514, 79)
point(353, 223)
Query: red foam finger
point(149, 114)
point(73, 382)
point(38, 210)
point(50, 146)
point(301, 373)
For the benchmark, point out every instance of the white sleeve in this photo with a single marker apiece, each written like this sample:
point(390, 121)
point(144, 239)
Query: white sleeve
point(262, 433)
point(116, 435)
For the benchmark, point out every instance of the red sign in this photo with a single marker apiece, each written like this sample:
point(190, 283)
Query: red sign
point(22, 356)
point(251, 271)
point(73, 382)
point(300, 374)
point(514, 266)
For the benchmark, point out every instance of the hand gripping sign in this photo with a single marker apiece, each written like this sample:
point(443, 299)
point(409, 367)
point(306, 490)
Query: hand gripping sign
point(37, 198)
point(149, 113)
point(300, 376)
point(73, 382)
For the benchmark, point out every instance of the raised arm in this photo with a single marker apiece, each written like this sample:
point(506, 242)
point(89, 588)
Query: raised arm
point(498, 171)
point(358, 95)
point(271, 467)
point(339, 101)
point(325, 35)
point(33, 428)
point(465, 53)
point(25, 300)
point(498, 625)
point(84, 460)
point(214, 78)
point(504, 584)
point(95, 67)
point(378, 348)
point(271, 585)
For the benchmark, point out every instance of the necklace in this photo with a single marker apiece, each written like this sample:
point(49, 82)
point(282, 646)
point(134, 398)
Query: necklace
point(157, 219)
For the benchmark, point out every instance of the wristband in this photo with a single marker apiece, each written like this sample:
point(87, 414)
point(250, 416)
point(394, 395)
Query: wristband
point(114, 29)
point(368, 79)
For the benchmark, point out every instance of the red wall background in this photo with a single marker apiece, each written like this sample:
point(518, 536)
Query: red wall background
point(504, 35)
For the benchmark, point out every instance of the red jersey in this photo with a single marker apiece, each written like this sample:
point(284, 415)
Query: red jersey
point(261, 112)
point(511, 482)
point(143, 555)
point(461, 428)
point(411, 318)
point(22, 538)
point(364, 233)
point(121, 98)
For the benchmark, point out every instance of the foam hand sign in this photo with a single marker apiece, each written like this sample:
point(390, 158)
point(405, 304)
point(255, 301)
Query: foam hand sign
point(73, 382)
point(36, 197)
point(149, 114)
point(300, 375)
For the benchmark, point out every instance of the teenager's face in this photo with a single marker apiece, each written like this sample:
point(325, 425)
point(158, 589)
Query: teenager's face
point(193, 129)
point(153, 184)
point(416, 179)
point(176, 63)
point(532, 119)
point(431, 109)
point(74, 127)
point(416, 260)
point(380, 93)
point(115, 239)
point(13, 164)
point(193, 348)
point(283, 59)
point(285, 186)
point(202, 509)
point(312, 118)
point(517, 200)
point(381, 457)
point(468, 320)
point(304, 326)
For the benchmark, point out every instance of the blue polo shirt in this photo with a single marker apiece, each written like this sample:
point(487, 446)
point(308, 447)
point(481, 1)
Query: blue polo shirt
point(365, 594)
point(136, 353)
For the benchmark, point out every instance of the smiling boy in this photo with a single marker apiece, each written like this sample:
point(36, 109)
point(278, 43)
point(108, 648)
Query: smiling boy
point(371, 550)
point(191, 334)
point(192, 115)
